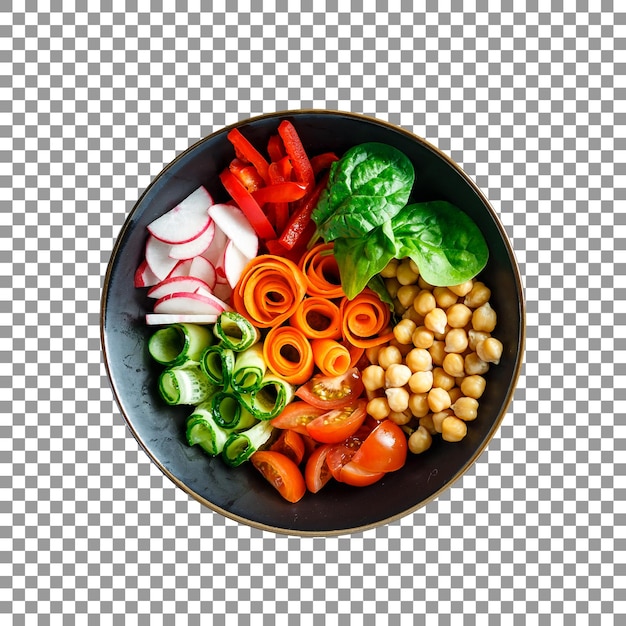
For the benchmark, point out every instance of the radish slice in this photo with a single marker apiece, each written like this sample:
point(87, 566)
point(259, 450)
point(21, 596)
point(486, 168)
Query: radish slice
point(186, 221)
point(215, 252)
point(204, 270)
point(234, 263)
point(190, 304)
point(156, 319)
point(194, 247)
point(223, 291)
point(158, 257)
point(144, 276)
point(235, 225)
point(182, 268)
point(177, 284)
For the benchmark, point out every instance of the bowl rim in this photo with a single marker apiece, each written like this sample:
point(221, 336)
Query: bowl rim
point(512, 385)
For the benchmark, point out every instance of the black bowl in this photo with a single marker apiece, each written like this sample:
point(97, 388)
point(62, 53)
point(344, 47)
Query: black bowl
point(242, 494)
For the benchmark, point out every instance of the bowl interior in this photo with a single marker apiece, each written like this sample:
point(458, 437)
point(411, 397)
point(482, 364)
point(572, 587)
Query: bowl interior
point(242, 493)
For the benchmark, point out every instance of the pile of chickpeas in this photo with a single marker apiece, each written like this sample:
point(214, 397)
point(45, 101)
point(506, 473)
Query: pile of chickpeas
point(430, 377)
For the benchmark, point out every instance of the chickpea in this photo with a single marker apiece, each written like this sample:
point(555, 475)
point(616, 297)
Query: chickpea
point(459, 315)
point(465, 408)
point(423, 284)
point(378, 408)
point(427, 423)
point(400, 418)
point(389, 271)
point(463, 288)
point(421, 382)
point(436, 320)
point(372, 354)
point(484, 318)
point(406, 294)
point(455, 393)
point(444, 297)
point(453, 429)
point(404, 273)
point(403, 331)
point(475, 365)
point(422, 337)
point(438, 418)
point(437, 352)
point(419, 360)
point(454, 364)
point(412, 314)
point(373, 377)
point(478, 295)
point(398, 307)
point(490, 350)
point(473, 386)
point(397, 399)
point(442, 379)
point(418, 404)
point(438, 399)
point(392, 286)
point(456, 340)
point(475, 337)
point(420, 440)
point(397, 375)
point(442, 335)
point(388, 355)
point(404, 348)
point(424, 302)
point(413, 266)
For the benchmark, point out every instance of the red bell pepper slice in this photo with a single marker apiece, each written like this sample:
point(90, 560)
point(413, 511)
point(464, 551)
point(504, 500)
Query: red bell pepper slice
point(297, 154)
point(301, 219)
point(323, 161)
point(247, 174)
point(275, 148)
point(280, 171)
point(279, 192)
point(247, 152)
point(248, 205)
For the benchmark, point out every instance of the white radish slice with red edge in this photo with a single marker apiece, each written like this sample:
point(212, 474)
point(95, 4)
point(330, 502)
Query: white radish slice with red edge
point(236, 226)
point(204, 270)
point(158, 257)
point(177, 284)
point(182, 268)
point(223, 291)
point(190, 304)
point(194, 247)
point(157, 319)
point(186, 221)
point(215, 252)
point(234, 263)
point(144, 276)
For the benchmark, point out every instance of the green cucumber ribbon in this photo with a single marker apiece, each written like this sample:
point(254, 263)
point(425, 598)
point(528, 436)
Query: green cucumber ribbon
point(185, 384)
point(203, 430)
point(235, 331)
point(217, 363)
point(270, 397)
point(229, 412)
point(178, 343)
point(240, 446)
point(250, 367)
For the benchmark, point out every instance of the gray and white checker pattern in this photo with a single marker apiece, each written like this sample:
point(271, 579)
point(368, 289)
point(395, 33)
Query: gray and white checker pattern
point(529, 97)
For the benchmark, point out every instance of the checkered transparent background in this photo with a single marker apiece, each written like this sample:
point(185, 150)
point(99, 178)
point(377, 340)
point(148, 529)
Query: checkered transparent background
point(96, 97)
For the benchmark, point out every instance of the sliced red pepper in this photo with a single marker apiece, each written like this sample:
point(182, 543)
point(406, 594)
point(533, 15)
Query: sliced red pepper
point(323, 161)
point(275, 148)
point(297, 154)
point(301, 219)
point(248, 205)
point(280, 171)
point(247, 152)
point(280, 192)
point(247, 174)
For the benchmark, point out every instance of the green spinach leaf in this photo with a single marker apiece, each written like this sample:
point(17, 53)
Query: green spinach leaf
point(367, 186)
point(444, 242)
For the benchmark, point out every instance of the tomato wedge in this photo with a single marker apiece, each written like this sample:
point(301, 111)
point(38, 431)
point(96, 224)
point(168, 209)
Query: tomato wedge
point(352, 474)
point(296, 415)
point(332, 392)
point(291, 444)
point(384, 450)
point(281, 472)
point(316, 472)
point(338, 424)
point(339, 461)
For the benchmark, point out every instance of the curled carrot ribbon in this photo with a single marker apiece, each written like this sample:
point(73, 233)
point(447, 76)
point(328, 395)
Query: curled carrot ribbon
point(365, 320)
point(331, 357)
point(322, 272)
point(317, 318)
point(269, 290)
point(288, 354)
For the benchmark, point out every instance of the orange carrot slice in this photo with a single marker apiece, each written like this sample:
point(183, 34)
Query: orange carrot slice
point(288, 354)
point(331, 357)
point(365, 320)
point(269, 290)
point(321, 271)
point(317, 318)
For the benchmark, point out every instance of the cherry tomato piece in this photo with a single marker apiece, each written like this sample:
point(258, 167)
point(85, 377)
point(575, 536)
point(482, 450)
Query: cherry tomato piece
point(354, 475)
point(296, 415)
point(332, 392)
point(384, 450)
point(281, 472)
point(338, 424)
point(291, 444)
point(316, 472)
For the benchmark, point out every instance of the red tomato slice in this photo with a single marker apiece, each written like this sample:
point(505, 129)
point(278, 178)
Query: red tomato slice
point(291, 444)
point(338, 424)
point(296, 415)
point(384, 450)
point(281, 472)
point(354, 475)
point(332, 392)
point(317, 473)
